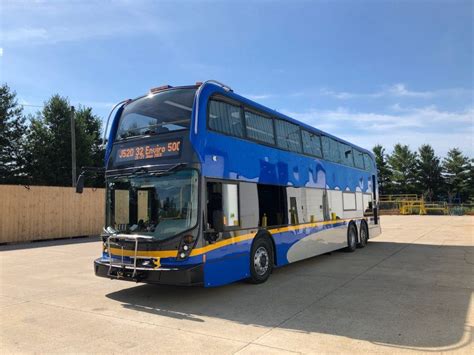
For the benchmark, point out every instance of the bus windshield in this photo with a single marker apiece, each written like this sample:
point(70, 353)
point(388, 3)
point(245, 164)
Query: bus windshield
point(163, 112)
point(157, 206)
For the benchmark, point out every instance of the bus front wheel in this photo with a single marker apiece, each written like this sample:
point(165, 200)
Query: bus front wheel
point(261, 260)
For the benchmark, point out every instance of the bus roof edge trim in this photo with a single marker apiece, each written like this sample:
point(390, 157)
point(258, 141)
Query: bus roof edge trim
point(215, 82)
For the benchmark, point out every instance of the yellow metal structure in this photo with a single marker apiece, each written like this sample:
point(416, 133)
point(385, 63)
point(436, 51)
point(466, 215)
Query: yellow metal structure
point(413, 204)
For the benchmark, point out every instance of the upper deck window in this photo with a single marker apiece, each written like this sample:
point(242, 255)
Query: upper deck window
point(369, 163)
point(311, 144)
point(288, 136)
point(331, 150)
point(259, 127)
point(345, 152)
point(226, 118)
point(163, 112)
point(358, 159)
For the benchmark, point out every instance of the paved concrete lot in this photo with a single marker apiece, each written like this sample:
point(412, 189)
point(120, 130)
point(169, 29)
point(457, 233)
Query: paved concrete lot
point(410, 289)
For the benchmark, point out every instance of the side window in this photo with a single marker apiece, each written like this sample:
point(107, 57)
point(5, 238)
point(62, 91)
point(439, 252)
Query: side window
point(369, 164)
point(314, 205)
point(335, 204)
point(222, 205)
point(272, 205)
point(296, 202)
point(345, 152)
point(259, 128)
point(225, 118)
point(358, 159)
point(349, 201)
point(367, 203)
point(325, 142)
point(288, 136)
point(311, 144)
point(331, 150)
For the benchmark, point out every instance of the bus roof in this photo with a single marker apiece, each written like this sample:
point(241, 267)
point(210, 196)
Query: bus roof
point(277, 114)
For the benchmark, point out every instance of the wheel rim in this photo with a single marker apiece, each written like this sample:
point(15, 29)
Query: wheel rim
point(261, 261)
point(352, 238)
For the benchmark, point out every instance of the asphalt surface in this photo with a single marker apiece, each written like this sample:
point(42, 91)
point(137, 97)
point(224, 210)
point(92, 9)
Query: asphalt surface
point(410, 289)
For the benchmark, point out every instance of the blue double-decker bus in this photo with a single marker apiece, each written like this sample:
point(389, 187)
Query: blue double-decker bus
point(206, 187)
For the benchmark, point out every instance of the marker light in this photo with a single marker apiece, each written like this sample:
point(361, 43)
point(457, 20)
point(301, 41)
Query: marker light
point(185, 248)
point(160, 88)
point(183, 255)
point(188, 239)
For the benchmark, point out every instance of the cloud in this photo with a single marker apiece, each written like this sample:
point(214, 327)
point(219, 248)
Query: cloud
point(338, 95)
point(419, 125)
point(53, 22)
point(398, 90)
point(24, 34)
point(258, 96)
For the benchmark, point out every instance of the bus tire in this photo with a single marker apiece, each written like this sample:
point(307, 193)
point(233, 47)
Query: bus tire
point(363, 235)
point(261, 260)
point(351, 238)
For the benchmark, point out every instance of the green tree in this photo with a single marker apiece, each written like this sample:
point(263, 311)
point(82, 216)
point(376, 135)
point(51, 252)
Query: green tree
point(384, 173)
point(49, 143)
point(12, 137)
point(402, 162)
point(89, 150)
point(456, 172)
point(429, 172)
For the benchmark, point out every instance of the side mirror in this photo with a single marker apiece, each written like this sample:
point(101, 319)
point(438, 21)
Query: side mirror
point(80, 184)
point(211, 236)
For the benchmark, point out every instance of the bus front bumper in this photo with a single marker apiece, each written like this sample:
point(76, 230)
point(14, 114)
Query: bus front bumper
point(191, 276)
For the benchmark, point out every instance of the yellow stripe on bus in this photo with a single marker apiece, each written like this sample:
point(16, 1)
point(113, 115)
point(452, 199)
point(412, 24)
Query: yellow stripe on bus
point(220, 244)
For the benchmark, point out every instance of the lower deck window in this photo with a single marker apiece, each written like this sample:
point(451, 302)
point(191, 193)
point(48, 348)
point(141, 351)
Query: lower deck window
point(367, 201)
point(222, 205)
point(349, 201)
point(272, 205)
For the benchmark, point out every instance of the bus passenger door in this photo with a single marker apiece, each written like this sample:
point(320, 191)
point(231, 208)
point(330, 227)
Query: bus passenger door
point(229, 262)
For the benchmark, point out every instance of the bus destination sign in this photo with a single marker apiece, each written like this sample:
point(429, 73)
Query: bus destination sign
point(168, 149)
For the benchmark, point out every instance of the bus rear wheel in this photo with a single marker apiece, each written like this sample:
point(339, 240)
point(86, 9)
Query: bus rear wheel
point(363, 235)
point(261, 260)
point(351, 238)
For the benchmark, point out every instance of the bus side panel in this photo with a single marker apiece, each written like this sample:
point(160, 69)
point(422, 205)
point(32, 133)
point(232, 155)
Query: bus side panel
point(316, 243)
point(299, 244)
point(227, 264)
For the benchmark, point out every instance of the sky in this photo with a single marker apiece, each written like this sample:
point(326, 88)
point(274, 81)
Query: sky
point(370, 72)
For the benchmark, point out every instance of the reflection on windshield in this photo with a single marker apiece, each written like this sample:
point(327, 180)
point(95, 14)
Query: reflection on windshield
point(159, 113)
point(158, 206)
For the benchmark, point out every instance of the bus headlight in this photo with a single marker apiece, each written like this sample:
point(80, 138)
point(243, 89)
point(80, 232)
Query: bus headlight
point(185, 247)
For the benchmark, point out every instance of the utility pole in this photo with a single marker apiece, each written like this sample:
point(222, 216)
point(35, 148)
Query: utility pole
point(73, 146)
